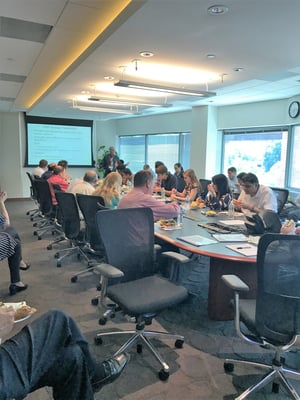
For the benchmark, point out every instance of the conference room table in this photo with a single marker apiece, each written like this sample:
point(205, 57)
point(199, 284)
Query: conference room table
point(222, 260)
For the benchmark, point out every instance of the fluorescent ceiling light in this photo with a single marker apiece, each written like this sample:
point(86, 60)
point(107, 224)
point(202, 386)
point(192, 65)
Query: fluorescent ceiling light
point(165, 89)
point(105, 109)
point(126, 103)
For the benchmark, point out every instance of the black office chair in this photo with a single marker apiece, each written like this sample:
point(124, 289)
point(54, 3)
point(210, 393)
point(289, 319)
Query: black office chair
point(204, 183)
point(35, 212)
point(71, 227)
point(89, 205)
point(272, 321)
point(281, 196)
point(48, 222)
point(128, 239)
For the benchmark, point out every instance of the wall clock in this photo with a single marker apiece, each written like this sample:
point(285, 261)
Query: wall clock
point(294, 109)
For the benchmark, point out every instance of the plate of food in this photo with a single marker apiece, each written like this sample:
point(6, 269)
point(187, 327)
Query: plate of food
point(211, 213)
point(168, 224)
point(22, 310)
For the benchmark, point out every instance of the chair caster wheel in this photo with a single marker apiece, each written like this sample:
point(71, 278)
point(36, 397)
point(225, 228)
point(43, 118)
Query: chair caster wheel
point(102, 321)
point(99, 287)
point(139, 348)
point(39, 238)
point(35, 233)
point(163, 375)
point(74, 279)
point(228, 367)
point(56, 255)
point(49, 247)
point(95, 301)
point(179, 344)
point(98, 341)
point(35, 224)
point(275, 387)
point(58, 265)
point(78, 256)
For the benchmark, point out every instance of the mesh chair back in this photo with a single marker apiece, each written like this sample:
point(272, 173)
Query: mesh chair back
point(33, 192)
point(281, 197)
point(89, 205)
point(44, 196)
point(278, 291)
point(128, 239)
point(204, 183)
point(69, 214)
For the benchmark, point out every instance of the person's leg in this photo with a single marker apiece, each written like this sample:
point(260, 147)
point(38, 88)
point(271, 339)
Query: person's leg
point(52, 352)
point(14, 264)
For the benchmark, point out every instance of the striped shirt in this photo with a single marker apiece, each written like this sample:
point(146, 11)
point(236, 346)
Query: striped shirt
point(7, 243)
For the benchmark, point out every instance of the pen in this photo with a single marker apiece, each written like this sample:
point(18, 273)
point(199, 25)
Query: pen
point(245, 247)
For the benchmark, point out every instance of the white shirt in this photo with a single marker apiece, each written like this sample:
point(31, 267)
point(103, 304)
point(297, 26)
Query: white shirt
point(264, 199)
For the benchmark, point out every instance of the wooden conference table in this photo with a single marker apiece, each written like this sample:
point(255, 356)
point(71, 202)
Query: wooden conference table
point(222, 261)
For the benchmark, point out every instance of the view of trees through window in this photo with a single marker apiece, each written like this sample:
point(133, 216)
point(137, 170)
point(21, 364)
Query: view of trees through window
point(169, 148)
point(262, 153)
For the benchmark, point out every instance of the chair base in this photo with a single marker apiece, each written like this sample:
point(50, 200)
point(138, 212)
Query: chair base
point(141, 335)
point(276, 373)
point(68, 252)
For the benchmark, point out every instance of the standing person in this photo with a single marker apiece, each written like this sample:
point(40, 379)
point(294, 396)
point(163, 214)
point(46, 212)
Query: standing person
point(10, 248)
point(166, 179)
point(232, 179)
point(219, 195)
point(110, 161)
point(192, 187)
point(141, 196)
point(51, 351)
point(255, 197)
point(41, 168)
point(110, 189)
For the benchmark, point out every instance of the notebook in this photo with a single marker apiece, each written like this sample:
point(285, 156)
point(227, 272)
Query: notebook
point(230, 237)
point(197, 240)
point(246, 249)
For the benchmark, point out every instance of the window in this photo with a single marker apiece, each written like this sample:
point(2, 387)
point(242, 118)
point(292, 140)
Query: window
point(169, 148)
point(295, 154)
point(263, 153)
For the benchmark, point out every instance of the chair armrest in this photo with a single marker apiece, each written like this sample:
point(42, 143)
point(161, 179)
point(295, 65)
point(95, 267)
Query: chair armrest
point(176, 256)
point(235, 283)
point(109, 271)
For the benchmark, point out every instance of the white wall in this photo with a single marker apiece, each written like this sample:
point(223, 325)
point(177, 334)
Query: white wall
point(204, 122)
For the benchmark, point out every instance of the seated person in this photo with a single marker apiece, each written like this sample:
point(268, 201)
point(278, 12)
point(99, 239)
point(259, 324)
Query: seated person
point(64, 164)
point(51, 351)
point(147, 167)
point(46, 175)
point(85, 185)
point(40, 169)
point(10, 248)
point(166, 179)
point(232, 179)
point(110, 189)
point(57, 178)
point(179, 177)
point(192, 187)
point(141, 196)
point(126, 177)
point(254, 197)
point(219, 195)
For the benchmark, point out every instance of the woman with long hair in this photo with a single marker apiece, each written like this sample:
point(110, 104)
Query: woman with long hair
point(192, 187)
point(110, 189)
point(219, 195)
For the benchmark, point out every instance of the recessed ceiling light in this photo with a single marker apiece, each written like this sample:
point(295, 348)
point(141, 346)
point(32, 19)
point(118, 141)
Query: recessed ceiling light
point(146, 54)
point(237, 69)
point(109, 78)
point(217, 9)
point(210, 56)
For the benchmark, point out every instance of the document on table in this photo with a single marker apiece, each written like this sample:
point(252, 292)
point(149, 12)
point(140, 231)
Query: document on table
point(232, 222)
point(197, 240)
point(230, 237)
point(246, 249)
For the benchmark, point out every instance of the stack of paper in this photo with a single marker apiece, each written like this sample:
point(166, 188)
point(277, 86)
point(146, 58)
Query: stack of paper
point(246, 249)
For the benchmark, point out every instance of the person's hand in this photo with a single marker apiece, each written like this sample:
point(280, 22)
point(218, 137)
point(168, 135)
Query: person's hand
point(297, 230)
point(6, 320)
point(157, 189)
point(288, 227)
point(238, 204)
point(3, 196)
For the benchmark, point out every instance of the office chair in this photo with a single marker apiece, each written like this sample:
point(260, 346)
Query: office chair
point(71, 227)
point(48, 223)
point(272, 321)
point(35, 212)
point(281, 196)
point(128, 239)
point(89, 205)
point(204, 183)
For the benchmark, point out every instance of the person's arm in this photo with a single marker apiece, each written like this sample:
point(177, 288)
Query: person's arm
point(3, 210)
point(6, 322)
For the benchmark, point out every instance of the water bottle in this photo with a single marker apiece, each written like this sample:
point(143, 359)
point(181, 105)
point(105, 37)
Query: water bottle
point(187, 203)
point(163, 193)
point(231, 210)
point(180, 217)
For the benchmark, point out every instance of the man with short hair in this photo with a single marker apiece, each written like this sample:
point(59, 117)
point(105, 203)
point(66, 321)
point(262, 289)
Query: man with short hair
point(254, 197)
point(141, 196)
point(41, 168)
point(46, 175)
point(109, 162)
point(167, 180)
point(232, 179)
point(85, 185)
